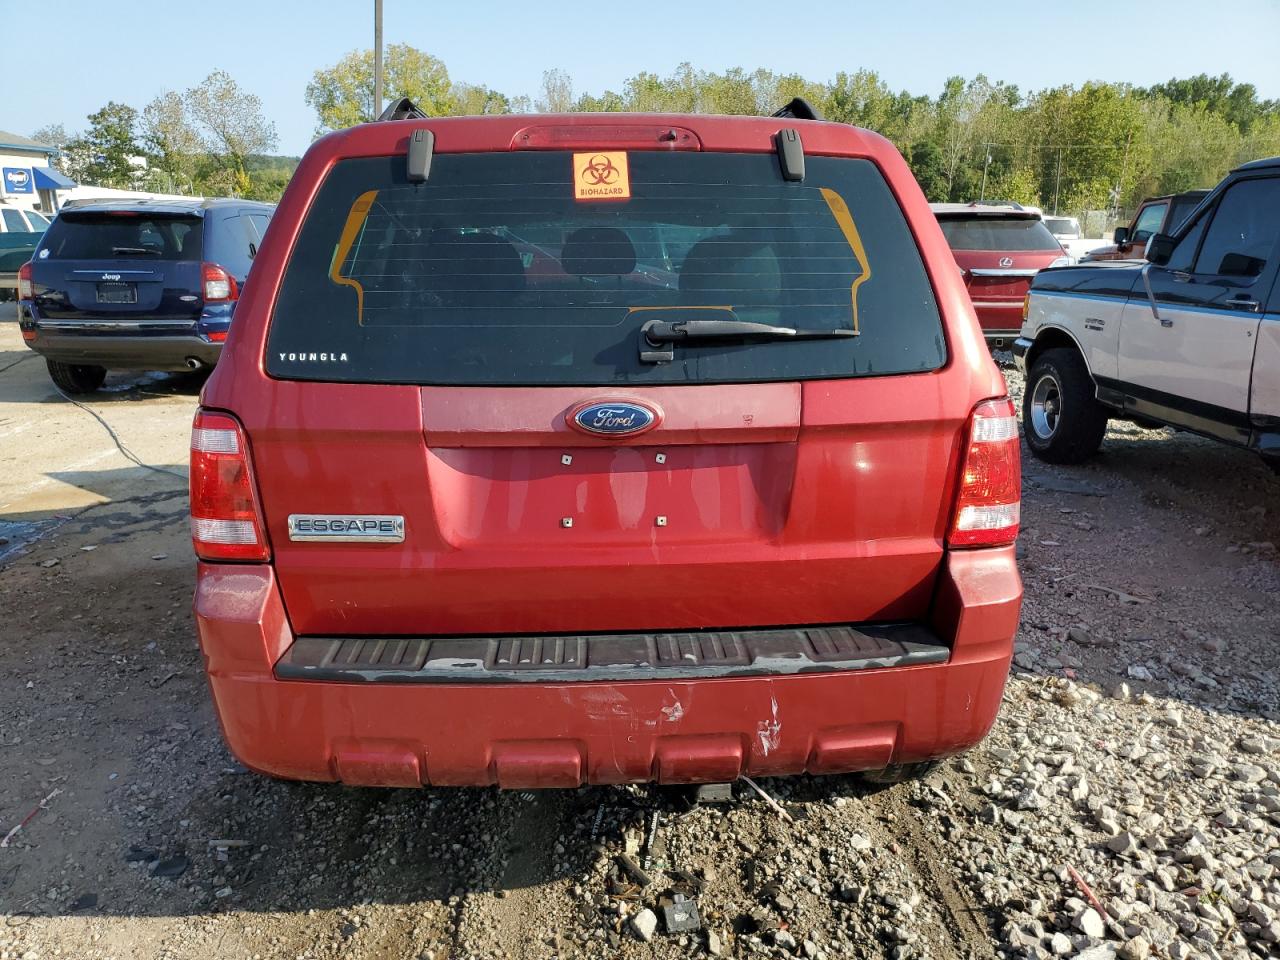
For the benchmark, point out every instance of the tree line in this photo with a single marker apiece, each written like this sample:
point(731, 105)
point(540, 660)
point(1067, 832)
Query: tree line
point(1096, 146)
point(211, 140)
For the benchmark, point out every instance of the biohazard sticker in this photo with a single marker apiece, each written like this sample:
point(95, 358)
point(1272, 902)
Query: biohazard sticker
point(601, 176)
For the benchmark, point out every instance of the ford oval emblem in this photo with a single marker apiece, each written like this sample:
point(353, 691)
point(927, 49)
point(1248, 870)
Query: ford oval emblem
point(614, 418)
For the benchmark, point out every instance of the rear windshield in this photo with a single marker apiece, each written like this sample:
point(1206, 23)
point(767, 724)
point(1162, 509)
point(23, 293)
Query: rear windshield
point(114, 236)
point(1062, 227)
point(997, 233)
point(491, 272)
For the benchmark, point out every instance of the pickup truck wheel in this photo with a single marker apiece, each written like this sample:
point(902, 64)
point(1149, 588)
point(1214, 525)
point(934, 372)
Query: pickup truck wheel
point(76, 378)
point(1062, 419)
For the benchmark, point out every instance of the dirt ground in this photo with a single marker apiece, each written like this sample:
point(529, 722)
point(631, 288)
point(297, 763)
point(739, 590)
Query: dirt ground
point(1154, 566)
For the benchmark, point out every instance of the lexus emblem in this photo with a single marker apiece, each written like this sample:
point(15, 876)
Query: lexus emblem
point(1006, 261)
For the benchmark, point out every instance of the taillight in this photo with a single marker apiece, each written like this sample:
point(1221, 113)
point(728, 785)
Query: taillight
point(219, 286)
point(988, 507)
point(26, 290)
point(226, 522)
point(217, 336)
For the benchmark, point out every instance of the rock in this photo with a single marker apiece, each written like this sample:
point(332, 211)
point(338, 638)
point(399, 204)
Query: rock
point(645, 924)
point(1090, 924)
point(171, 868)
point(1138, 672)
point(1030, 799)
point(1119, 691)
point(858, 842)
point(1103, 951)
point(1060, 945)
point(715, 946)
point(1249, 772)
point(1125, 844)
point(1258, 745)
point(784, 939)
point(1138, 948)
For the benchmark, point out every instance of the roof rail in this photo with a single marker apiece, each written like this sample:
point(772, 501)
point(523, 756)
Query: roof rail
point(799, 108)
point(402, 109)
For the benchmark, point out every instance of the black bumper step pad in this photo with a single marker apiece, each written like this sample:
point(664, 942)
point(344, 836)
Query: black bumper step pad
point(632, 656)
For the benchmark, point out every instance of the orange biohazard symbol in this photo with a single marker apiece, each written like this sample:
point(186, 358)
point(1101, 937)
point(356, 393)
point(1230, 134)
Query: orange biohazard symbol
point(601, 176)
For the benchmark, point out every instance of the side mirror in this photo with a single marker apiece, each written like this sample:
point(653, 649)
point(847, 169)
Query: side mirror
point(1160, 248)
point(1121, 236)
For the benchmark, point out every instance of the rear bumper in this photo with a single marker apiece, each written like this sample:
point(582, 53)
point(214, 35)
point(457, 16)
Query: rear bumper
point(123, 352)
point(1000, 321)
point(525, 735)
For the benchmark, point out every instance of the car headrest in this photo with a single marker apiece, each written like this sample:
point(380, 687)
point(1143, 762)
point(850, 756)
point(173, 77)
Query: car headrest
point(598, 251)
point(456, 259)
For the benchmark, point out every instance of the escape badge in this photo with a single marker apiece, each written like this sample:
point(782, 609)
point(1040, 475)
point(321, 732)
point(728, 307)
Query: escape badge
point(601, 176)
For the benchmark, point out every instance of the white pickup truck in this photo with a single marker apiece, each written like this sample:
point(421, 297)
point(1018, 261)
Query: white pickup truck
point(1067, 231)
point(1189, 339)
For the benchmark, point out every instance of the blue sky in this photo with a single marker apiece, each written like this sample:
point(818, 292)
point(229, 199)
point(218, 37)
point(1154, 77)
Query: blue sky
point(97, 52)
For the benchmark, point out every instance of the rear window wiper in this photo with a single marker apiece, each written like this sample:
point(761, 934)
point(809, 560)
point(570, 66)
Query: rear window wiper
point(148, 250)
point(658, 337)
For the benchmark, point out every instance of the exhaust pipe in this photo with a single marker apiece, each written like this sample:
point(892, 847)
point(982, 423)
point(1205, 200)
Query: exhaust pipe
point(193, 363)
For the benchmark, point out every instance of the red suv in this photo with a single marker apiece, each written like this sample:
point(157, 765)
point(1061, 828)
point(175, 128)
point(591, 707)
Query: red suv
point(999, 249)
point(603, 449)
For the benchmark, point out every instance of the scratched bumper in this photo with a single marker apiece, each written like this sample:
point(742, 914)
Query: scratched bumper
point(526, 735)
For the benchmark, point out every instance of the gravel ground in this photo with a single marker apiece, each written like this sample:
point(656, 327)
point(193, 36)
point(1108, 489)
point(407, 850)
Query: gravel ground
point(1126, 804)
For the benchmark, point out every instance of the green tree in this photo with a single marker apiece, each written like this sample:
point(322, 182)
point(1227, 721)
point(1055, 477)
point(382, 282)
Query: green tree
point(557, 92)
point(109, 147)
point(342, 95)
point(172, 142)
point(67, 161)
point(1237, 103)
point(231, 126)
point(475, 99)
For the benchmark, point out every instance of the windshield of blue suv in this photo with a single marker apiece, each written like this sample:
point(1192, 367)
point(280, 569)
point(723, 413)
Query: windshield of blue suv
point(526, 268)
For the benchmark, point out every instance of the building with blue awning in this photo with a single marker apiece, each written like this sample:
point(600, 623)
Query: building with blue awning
point(27, 179)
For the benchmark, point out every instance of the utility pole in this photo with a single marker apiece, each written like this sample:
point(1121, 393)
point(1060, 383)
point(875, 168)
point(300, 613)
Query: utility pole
point(1124, 168)
point(986, 162)
point(377, 59)
point(1057, 186)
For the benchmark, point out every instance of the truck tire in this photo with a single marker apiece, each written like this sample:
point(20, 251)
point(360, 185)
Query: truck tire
point(1061, 416)
point(74, 377)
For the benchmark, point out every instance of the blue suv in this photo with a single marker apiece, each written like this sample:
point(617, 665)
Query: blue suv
point(137, 285)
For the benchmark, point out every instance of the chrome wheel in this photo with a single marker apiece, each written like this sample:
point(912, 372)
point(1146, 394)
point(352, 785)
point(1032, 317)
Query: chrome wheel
point(1046, 406)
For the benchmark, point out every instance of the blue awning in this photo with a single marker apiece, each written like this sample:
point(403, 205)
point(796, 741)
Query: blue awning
point(48, 178)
